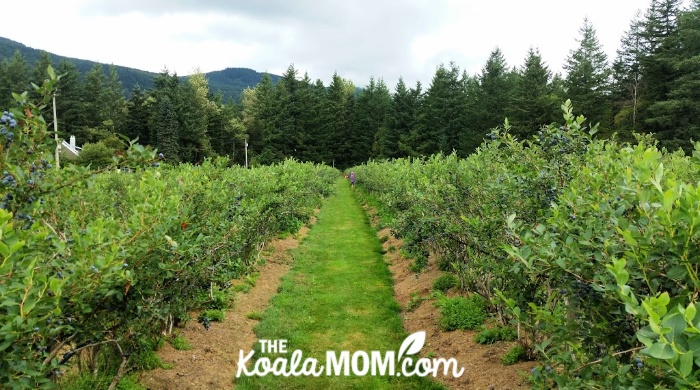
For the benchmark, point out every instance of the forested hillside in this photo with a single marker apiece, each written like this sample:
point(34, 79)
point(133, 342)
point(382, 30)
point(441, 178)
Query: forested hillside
point(649, 87)
point(230, 82)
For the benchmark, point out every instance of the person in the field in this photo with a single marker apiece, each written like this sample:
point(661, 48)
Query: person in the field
point(352, 180)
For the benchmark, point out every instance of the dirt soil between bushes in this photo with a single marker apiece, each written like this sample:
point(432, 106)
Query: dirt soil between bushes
point(482, 363)
point(211, 363)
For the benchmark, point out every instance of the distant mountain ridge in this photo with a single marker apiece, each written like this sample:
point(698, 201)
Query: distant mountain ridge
point(230, 81)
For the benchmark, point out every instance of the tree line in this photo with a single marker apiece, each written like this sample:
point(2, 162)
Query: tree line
point(650, 87)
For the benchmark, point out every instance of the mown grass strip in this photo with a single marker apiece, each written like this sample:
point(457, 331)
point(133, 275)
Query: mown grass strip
point(337, 296)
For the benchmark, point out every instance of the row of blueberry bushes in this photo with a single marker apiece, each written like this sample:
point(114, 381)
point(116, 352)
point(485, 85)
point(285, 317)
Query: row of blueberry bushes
point(589, 247)
point(101, 264)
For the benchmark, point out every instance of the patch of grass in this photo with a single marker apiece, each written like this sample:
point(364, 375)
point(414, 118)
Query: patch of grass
point(490, 336)
point(391, 249)
point(445, 282)
point(514, 355)
point(244, 288)
point(87, 381)
point(180, 343)
point(284, 235)
point(219, 299)
point(383, 239)
point(212, 315)
point(254, 315)
point(337, 296)
point(461, 313)
point(251, 279)
point(415, 301)
point(147, 360)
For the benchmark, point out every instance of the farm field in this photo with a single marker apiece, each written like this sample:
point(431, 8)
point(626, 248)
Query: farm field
point(338, 295)
point(560, 261)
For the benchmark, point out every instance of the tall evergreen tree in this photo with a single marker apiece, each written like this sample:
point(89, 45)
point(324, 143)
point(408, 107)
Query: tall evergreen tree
point(165, 85)
point(258, 119)
point(473, 132)
point(588, 80)
point(194, 142)
point(306, 119)
point(675, 115)
point(371, 112)
point(320, 141)
point(15, 78)
point(114, 107)
point(496, 87)
point(93, 102)
point(441, 120)
point(69, 105)
point(287, 114)
point(38, 76)
point(534, 104)
point(399, 124)
point(137, 117)
point(340, 104)
point(628, 86)
point(167, 129)
point(658, 61)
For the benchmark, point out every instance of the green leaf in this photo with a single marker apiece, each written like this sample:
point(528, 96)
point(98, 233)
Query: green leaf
point(647, 336)
point(660, 350)
point(686, 364)
point(694, 345)
point(677, 273)
point(669, 198)
point(690, 312)
point(4, 250)
point(627, 235)
point(677, 325)
point(659, 173)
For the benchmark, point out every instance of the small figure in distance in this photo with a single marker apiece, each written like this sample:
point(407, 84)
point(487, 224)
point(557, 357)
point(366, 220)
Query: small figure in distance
point(352, 179)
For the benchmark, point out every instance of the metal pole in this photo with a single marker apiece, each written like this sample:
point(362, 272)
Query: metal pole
point(55, 132)
point(246, 154)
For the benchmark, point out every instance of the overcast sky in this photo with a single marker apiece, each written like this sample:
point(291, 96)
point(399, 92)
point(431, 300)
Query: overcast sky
point(357, 39)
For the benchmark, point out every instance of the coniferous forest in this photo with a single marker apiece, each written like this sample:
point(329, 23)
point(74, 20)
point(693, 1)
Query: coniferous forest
point(651, 86)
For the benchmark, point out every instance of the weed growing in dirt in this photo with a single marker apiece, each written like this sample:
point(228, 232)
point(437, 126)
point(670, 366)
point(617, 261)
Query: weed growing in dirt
point(89, 382)
point(419, 263)
point(180, 343)
point(462, 313)
point(514, 355)
point(212, 315)
point(444, 282)
point(415, 301)
point(219, 299)
point(490, 336)
point(254, 316)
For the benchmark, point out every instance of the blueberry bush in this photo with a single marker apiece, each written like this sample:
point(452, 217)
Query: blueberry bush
point(589, 248)
point(100, 264)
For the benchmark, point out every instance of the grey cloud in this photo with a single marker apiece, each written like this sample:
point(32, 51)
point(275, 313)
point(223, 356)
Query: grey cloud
point(358, 39)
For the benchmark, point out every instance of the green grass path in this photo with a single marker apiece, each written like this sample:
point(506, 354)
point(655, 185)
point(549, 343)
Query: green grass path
point(337, 296)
